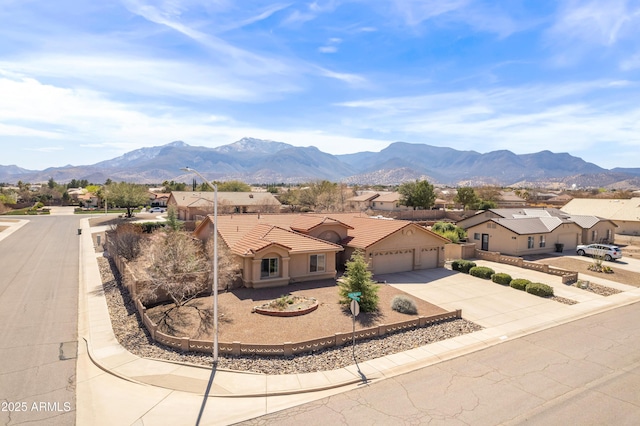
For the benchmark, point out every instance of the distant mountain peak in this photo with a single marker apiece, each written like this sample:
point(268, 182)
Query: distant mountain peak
point(252, 145)
point(177, 144)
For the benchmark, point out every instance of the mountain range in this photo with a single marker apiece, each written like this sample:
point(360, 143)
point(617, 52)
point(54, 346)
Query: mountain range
point(262, 161)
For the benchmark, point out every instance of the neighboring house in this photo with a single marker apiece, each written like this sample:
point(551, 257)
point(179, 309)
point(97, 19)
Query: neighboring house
point(158, 199)
point(559, 200)
point(363, 201)
point(278, 249)
point(529, 231)
point(89, 200)
point(510, 199)
point(383, 200)
point(193, 205)
point(624, 213)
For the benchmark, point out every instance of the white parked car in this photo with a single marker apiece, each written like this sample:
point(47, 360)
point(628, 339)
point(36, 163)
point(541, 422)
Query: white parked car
point(157, 210)
point(605, 251)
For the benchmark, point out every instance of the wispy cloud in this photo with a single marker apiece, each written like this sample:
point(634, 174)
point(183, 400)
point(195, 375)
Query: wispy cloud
point(581, 26)
point(523, 119)
point(46, 149)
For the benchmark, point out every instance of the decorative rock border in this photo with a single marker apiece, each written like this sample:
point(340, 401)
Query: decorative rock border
point(263, 310)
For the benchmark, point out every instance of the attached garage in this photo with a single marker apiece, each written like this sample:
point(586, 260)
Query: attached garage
point(429, 258)
point(570, 240)
point(390, 261)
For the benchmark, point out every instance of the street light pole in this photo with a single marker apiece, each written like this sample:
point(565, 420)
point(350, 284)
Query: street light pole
point(215, 262)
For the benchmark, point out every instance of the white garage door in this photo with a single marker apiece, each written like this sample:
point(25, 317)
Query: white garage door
point(388, 262)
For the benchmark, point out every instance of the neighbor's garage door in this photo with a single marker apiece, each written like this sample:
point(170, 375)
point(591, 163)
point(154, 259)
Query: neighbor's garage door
point(388, 262)
point(569, 241)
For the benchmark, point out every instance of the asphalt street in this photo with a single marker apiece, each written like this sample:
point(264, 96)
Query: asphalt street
point(39, 268)
point(586, 372)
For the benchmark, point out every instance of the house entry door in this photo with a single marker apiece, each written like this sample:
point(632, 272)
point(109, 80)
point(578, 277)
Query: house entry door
point(485, 242)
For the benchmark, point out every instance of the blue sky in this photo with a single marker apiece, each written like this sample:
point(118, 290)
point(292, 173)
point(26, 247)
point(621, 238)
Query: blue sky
point(83, 81)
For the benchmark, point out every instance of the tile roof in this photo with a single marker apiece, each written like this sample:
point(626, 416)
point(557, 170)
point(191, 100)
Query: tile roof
point(263, 236)
point(306, 223)
point(367, 196)
point(362, 230)
point(196, 199)
point(390, 197)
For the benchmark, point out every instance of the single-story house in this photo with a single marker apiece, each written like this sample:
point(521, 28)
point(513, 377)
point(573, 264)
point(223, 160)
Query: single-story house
point(158, 199)
point(276, 249)
point(624, 213)
point(195, 205)
point(510, 199)
point(529, 231)
point(518, 237)
point(89, 200)
point(378, 200)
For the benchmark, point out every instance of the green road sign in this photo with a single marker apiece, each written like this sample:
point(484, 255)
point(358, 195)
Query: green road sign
point(355, 295)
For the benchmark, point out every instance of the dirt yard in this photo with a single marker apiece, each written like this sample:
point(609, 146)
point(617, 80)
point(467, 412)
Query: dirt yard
point(582, 266)
point(238, 323)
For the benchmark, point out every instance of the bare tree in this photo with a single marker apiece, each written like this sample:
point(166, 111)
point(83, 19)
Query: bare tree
point(229, 267)
point(177, 267)
point(125, 240)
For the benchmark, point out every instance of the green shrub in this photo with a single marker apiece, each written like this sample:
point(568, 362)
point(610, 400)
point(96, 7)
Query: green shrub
point(451, 236)
point(404, 305)
point(539, 289)
point(519, 284)
point(482, 272)
point(501, 278)
point(462, 265)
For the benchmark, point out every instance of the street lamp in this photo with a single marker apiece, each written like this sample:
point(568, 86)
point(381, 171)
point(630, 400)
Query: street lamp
point(215, 261)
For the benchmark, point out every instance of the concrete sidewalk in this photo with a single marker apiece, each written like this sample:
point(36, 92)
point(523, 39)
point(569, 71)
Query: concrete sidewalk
point(117, 387)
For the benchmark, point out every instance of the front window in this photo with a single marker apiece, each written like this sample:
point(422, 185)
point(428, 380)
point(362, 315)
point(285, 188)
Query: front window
point(269, 268)
point(476, 236)
point(594, 235)
point(530, 242)
point(542, 241)
point(317, 263)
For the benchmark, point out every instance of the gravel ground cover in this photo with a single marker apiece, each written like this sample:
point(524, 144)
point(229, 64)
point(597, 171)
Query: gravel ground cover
point(598, 289)
point(133, 336)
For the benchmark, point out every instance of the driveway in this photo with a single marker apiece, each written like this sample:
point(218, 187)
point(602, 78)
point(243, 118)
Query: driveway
point(492, 305)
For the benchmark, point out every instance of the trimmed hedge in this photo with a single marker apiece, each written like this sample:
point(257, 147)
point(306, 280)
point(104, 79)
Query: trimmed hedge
point(481, 272)
point(462, 265)
point(539, 289)
point(519, 284)
point(501, 278)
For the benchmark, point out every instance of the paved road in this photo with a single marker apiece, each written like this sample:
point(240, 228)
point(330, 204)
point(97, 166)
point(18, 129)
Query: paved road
point(584, 373)
point(38, 321)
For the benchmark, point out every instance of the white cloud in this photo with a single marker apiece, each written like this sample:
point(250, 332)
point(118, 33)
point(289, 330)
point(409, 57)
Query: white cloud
point(327, 49)
point(46, 149)
point(596, 22)
point(522, 119)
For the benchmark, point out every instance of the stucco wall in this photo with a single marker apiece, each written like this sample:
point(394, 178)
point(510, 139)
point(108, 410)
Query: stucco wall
point(626, 227)
point(505, 241)
point(601, 229)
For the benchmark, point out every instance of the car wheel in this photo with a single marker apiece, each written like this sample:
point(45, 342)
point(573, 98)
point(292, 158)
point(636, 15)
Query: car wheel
point(607, 258)
point(580, 252)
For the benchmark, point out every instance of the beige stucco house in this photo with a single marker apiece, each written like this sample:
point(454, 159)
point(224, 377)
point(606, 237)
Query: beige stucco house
point(195, 205)
point(530, 231)
point(374, 200)
point(280, 249)
point(624, 213)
